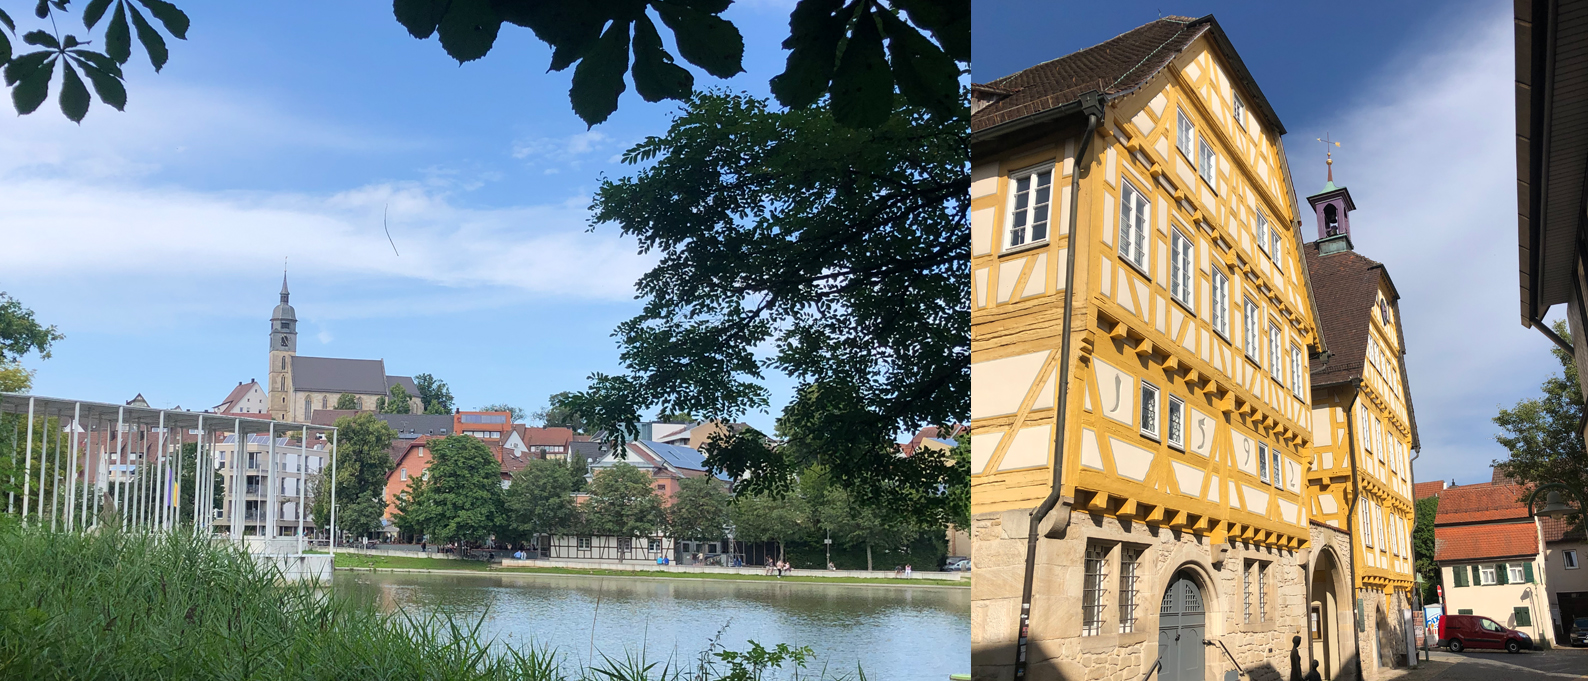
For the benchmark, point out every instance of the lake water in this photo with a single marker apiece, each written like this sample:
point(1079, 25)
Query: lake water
point(895, 633)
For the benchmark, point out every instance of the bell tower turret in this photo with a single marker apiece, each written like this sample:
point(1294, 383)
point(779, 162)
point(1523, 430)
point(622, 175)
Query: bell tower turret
point(1332, 206)
point(283, 345)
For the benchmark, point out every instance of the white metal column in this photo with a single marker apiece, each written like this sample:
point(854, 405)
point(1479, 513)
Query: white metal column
point(27, 470)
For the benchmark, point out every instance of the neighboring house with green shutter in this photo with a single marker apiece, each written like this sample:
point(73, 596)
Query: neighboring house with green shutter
point(1491, 560)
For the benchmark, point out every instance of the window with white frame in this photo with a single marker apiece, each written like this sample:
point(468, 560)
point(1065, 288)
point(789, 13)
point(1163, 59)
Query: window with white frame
point(1029, 205)
point(1094, 575)
point(1274, 244)
point(1263, 462)
point(1514, 573)
point(1366, 522)
point(1250, 323)
point(1276, 364)
point(1220, 315)
point(1487, 574)
point(1128, 589)
point(1181, 267)
point(1206, 163)
point(1569, 559)
point(1176, 423)
point(1260, 232)
point(1184, 133)
point(1150, 410)
point(1274, 467)
point(1238, 109)
point(1134, 216)
point(1296, 371)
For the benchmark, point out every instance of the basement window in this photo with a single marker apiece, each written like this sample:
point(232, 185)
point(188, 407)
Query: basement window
point(1095, 572)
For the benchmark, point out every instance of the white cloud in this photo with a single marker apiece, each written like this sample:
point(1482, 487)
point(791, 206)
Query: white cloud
point(1428, 153)
point(558, 149)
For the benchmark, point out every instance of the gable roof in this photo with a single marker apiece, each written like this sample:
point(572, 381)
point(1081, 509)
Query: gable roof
point(682, 458)
point(330, 375)
point(1478, 542)
point(405, 381)
point(1421, 490)
point(237, 394)
point(1115, 68)
point(1558, 529)
point(1480, 503)
point(1347, 285)
point(416, 424)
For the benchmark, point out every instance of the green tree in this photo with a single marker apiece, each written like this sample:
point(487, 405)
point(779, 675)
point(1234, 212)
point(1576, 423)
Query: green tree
point(854, 523)
point(1423, 545)
point(763, 518)
point(1544, 435)
point(700, 510)
point(834, 46)
point(676, 417)
point(515, 414)
point(555, 416)
point(363, 460)
point(20, 332)
point(29, 75)
point(435, 394)
point(347, 401)
point(578, 468)
point(540, 500)
point(623, 503)
point(397, 403)
point(409, 518)
point(461, 499)
point(843, 249)
point(14, 378)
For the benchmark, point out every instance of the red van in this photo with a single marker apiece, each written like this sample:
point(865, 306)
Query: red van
point(1472, 631)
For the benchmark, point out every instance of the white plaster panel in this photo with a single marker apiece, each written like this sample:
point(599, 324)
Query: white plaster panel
point(982, 447)
point(1200, 432)
point(1183, 170)
point(1202, 343)
point(1090, 457)
point(1107, 273)
point(1188, 479)
point(1193, 72)
point(1163, 146)
point(982, 231)
point(1175, 321)
point(998, 386)
point(1070, 157)
point(1158, 314)
point(1143, 123)
point(1159, 275)
point(1115, 392)
point(1142, 296)
point(1029, 449)
point(1110, 161)
point(984, 179)
point(1064, 210)
point(1108, 227)
point(1130, 460)
point(1163, 216)
point(1009, 272)
point(1213, 490)
point(1123, 290)
point(1037, 283)
point(1257, 500)
point(1246, 451)
point(981, 280)
point(1157, 104)
point(1061, 268)
point(1045, 394)
point(1293, 476)
point(1235, 499)
point(1289, 511)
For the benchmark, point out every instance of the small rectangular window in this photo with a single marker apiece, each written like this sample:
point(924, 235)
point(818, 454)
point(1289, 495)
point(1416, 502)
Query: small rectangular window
point(1181, 267)
point(1276, 365)
point(1261, 233)
point(1128, 589)
point(1206, 163)
point(1274, 245)
point(1238, 110)
point(1296, 371)
point(1274, 467)
point(1095, 572)
point(1570, 559)
point(1150, 410)
point(1250, 323)
point(1514, 573)
point(402, 474)
point(1487, 574)
point(1220, 315)
point(1134, 216)
point(1263, 462)
point(1176, 423)
point(1263, 592)
point(1029, 206)
point(1184, 133)
point(1246, 592)
point(584, 543)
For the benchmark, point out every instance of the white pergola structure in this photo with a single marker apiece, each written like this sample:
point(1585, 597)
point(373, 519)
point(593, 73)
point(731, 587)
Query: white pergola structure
point(96, 462)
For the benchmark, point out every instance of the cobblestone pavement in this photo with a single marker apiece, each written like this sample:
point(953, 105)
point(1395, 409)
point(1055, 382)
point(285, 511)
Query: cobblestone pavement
point(1550, 665)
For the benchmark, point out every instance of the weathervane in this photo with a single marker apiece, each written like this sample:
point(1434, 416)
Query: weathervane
point(1329, 171)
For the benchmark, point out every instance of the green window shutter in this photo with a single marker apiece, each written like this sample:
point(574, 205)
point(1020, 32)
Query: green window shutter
point(1528, 573)
point(1460, 576)
point(1523, 620)
point(1500, 573)
point(1477, 580)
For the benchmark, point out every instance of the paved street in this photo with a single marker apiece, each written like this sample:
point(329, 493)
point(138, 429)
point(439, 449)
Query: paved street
point(1550, 665)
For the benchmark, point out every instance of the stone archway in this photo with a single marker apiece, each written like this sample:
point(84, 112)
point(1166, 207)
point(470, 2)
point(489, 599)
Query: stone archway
point(1183, 622)
point(1330, 602)
point(1190, 562)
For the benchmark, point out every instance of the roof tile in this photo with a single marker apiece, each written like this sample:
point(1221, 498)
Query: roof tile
point(1478, 542)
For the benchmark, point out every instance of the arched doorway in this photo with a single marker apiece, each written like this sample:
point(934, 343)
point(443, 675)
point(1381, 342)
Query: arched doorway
point(1181, 623)
point(1330, 629)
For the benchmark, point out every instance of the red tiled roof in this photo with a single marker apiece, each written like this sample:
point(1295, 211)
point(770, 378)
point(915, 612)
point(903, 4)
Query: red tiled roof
point(1421, 490)
point(1491, 540)
point(556, 435)
point(1113, 67)
point(1346, 285)
point(1557, 529)
point(232, 397)
point(1480, 503)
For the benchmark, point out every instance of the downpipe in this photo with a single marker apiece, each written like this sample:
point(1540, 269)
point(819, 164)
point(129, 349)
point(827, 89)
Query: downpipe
point(1092, 105)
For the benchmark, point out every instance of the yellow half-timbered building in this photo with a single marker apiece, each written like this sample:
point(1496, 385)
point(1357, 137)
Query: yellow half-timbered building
point(1365, 436)
point(1142, 181)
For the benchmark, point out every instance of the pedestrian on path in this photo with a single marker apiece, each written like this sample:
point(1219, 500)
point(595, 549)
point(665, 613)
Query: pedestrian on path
point(1296, 659)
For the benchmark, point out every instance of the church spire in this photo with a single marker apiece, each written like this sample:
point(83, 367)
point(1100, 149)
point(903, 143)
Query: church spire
point(284, 280)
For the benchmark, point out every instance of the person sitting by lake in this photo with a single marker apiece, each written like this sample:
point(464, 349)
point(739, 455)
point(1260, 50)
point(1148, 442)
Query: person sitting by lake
point(768, 571)
point(830, 566)
point(907, 571)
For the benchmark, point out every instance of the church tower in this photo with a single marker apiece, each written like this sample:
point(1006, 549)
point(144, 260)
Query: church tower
point(283, 344)
point(1332, 205)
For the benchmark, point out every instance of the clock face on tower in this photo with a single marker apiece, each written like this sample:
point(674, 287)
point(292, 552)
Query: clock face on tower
point(284, 341)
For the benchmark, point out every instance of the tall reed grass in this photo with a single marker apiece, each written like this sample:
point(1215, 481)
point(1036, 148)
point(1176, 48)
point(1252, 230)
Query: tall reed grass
point(120, 605)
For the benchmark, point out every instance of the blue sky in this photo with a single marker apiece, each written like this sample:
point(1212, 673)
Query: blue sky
point(1420, 94)
point(155, 238)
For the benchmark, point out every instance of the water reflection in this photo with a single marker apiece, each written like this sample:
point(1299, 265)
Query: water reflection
point(893, 632)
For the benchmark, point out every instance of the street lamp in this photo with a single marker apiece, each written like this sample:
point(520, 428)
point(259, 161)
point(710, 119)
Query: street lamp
point(1555, 507)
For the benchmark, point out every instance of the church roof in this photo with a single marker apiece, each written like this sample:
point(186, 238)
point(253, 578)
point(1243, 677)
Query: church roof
point(406, 382)
point(329, 375)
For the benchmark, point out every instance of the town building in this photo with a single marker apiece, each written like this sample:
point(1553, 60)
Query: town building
point(410, 460)
point(299, 385)
point(666, 464)
point(1365, 434)
point(1141, 186)
point(1553, 172)
point(1491, 557)
point(247, 399)
point(269, 512)
point(1565, 583)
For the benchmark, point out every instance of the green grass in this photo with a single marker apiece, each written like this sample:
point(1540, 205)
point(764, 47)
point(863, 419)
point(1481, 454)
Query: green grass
point(359, 560)
point(116, 605)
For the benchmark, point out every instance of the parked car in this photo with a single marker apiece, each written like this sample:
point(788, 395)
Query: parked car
point(1457, 632)
point(1576, 634)
point(957, 564)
